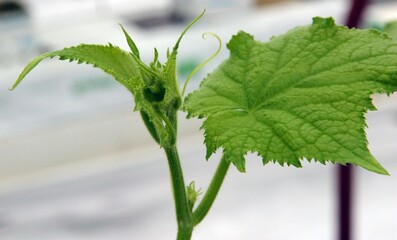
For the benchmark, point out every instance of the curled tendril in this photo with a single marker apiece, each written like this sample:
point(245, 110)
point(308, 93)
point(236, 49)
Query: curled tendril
point(187, 28)
point(205, 62)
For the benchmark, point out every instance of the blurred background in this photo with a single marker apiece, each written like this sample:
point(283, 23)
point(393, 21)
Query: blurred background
point(76, 162)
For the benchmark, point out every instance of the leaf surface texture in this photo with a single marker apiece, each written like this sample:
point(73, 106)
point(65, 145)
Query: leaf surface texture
point(302, 95)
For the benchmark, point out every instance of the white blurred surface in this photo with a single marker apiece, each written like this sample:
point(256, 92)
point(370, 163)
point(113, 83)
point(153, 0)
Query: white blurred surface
point(127, 196)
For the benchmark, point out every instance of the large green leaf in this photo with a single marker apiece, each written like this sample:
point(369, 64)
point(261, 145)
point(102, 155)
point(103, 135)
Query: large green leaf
point(300, 95)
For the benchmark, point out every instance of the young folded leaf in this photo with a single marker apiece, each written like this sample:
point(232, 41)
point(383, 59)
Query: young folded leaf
point(110, 59)
point(154, 87)
point(300, 95)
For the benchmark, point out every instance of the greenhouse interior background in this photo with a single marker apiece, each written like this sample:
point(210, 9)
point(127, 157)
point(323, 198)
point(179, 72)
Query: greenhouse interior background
point(77, 163)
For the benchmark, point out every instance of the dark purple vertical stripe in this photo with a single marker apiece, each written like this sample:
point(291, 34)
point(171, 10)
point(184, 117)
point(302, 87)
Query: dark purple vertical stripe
point(345, 173)
point(356, 12)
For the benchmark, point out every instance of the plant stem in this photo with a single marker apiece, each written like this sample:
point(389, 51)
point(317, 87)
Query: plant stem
point(212, 191)
point(183, 213)
point(187, 220)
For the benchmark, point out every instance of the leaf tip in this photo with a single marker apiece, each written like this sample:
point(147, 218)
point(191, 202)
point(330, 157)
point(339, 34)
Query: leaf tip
point(372, 165)
point(238, 40)
point(238, 162)
point(130, 42)
point(240, 167)
point(380, 170)
point(15, 85)
point(240, 44)
point(324, 22)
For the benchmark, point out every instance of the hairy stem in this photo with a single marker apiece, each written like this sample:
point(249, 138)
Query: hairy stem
point(211, 193)
point(183, 213)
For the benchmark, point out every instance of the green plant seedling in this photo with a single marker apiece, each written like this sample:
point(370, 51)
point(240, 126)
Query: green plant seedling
point(301, 95)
